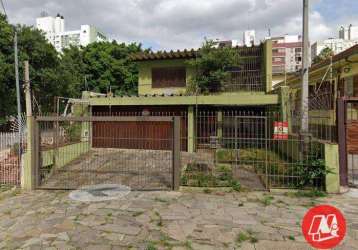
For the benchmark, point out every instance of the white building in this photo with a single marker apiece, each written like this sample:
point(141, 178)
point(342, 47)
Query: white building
point(249, 38)
point(55, 33)
point(337, 45)
point(348, 33)
point(348, 37)
point(226, 43)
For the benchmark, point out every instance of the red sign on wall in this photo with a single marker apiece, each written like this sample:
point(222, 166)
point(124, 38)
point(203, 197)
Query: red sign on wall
point(280, 131)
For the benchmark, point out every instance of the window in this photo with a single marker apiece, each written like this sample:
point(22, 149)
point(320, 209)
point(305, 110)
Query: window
point(297, 50)
point(168, 77)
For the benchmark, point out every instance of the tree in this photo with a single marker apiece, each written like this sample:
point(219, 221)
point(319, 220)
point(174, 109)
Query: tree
point(107, 65)
point(212, 64)
point(323, 55)
point(104, 65)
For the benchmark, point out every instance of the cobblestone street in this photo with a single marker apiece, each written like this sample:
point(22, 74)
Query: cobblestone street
point(164, 220)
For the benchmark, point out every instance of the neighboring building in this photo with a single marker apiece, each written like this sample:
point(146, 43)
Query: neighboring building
point(56, 34)
point(286, 56)
point(337, 45)
point(226, 43)
point(323, 91)
point(329, 120)
point(249, 38)
point(164, 78)
point(348, 37)
point(348, 33)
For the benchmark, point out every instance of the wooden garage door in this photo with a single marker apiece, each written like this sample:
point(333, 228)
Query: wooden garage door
point(133, 135)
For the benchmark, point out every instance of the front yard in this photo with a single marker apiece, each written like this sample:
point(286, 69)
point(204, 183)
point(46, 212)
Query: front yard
point(164, 220)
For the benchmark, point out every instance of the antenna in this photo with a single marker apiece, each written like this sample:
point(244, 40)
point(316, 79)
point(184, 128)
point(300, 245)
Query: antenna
point(43, 14)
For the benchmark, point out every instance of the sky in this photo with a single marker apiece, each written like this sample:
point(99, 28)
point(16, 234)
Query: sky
point(179, 24)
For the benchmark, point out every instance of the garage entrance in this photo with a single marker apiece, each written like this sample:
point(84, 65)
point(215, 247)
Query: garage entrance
point(140, 152)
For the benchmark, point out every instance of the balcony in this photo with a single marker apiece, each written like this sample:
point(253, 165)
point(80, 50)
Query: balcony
point(245, 81)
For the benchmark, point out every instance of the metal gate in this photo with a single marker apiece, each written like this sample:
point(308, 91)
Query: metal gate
point(140, 152)
point(348, 140)
point(250, 135)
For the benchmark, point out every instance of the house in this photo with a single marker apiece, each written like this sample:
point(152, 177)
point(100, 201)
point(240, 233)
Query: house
point(333, 102)
point(162, 90)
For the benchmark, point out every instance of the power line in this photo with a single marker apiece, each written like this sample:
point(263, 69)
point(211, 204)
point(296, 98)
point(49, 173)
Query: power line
point(3, 7)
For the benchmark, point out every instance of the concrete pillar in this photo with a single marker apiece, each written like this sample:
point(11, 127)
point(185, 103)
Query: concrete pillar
point(285, 104)
point(331, 155)
point(191, 130)
point(30, 175)
point(220, 126)
point(268, 64)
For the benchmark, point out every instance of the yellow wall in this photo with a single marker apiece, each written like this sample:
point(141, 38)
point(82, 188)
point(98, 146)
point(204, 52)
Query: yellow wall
point(145, 76)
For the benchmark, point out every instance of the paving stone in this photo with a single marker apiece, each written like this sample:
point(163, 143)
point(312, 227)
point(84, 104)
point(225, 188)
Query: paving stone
point(32, 242)
point(122, 229)
point(63, 236)
point(49, 220)
point(99, 247)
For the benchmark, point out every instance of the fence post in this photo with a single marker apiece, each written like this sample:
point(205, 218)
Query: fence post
point(176, 153)
point(29, 174)
point(220, 126)
point(341, 120)
point(331, 158)
point(191, 130)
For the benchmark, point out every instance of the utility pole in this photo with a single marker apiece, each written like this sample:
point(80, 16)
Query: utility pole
point(27, 89)
point(305, 66)
point(19, 120)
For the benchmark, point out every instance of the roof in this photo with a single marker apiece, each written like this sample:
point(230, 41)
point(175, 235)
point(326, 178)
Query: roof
point(242, 99)
point(191, 53)
point(343, 55)
point(160, 55)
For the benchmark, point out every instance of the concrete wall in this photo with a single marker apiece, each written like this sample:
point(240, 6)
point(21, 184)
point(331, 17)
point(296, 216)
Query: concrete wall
point(64, 155)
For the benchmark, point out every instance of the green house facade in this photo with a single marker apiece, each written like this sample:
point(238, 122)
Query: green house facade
point(164, 78)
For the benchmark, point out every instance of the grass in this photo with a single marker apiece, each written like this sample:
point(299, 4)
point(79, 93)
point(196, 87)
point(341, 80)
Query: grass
point(242, 237)
point(151, 246)
point(291, 237)
point(220, 176)
point(165, 242)
point(4, 188)
point(187, 244)
point(266, 200)
point(314, 193)
point(246, 236)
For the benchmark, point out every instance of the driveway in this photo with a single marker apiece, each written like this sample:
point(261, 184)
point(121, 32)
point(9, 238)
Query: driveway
point(164, 220)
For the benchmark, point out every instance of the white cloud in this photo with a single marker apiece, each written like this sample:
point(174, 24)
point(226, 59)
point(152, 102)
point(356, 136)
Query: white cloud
point(172, 24)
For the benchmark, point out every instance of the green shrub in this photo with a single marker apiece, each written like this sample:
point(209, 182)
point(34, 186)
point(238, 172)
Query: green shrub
point(225, 155)
point(236, 186)
point(311, 173)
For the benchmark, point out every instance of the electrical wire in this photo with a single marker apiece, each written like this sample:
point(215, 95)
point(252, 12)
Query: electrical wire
point(3, 7)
